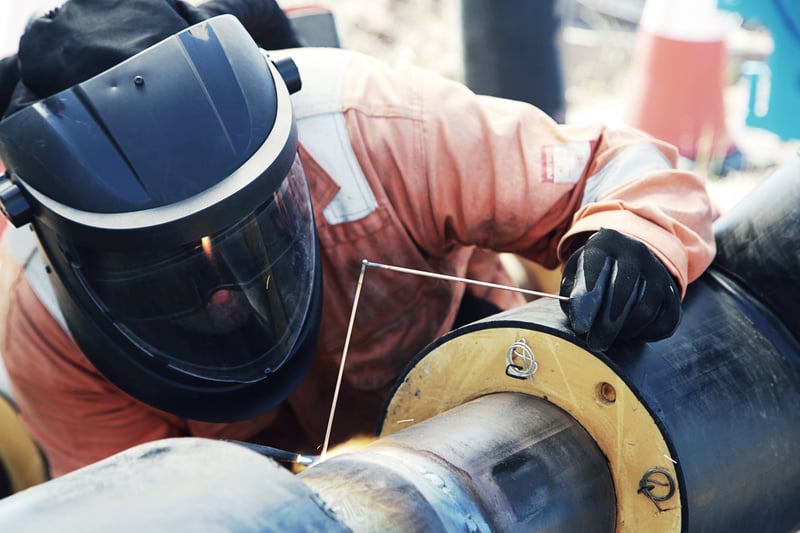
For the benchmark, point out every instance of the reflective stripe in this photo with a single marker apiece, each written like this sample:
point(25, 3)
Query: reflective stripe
point(626, 166)
point(565, 163)
point(20, 242)
point(23, 247)
point(5, 383)
point(322, 130)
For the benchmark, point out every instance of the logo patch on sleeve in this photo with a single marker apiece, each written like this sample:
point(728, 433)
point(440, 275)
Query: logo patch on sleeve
point(565, 163)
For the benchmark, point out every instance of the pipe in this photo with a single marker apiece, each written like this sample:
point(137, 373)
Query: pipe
point(758, 243)
point(511, 423)
point(502, 462)
point(722, 431)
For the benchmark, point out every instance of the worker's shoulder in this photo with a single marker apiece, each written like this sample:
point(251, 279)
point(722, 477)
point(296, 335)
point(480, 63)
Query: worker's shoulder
point(323, 72)
point(335, 80)
point(329, 61)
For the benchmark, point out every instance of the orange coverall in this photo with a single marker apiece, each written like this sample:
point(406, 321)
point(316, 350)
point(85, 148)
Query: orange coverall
point(405, 168)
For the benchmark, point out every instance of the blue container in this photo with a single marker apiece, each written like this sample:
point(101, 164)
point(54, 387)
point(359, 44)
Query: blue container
point(774, 85)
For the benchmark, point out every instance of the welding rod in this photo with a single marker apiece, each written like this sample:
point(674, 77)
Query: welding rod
point(464, 280)
point(275, 453)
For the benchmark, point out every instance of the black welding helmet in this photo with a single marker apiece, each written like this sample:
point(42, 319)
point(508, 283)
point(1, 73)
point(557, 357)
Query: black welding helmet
point(174, 214)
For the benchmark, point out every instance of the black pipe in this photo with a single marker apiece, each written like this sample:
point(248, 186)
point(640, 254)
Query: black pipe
point(758, 243)
point(725, 387)
point(725, 392)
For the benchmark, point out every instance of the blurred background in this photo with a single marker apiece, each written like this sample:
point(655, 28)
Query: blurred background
point(640, 62)
point(725, 60)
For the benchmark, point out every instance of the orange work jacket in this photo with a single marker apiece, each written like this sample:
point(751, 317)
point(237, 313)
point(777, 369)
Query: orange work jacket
point(405, 168)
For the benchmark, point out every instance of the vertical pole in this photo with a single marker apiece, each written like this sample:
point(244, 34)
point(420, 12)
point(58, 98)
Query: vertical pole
point(512, 49)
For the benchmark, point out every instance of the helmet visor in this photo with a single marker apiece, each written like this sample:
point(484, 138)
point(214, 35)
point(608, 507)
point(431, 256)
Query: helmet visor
point(229, 306)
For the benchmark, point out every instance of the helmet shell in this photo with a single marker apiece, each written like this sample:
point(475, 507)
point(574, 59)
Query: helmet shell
point(181, 141)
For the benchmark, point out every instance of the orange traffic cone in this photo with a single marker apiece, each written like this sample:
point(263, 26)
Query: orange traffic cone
point(677, 77)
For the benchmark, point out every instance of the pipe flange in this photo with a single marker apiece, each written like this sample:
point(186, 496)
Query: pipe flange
point(473, 362)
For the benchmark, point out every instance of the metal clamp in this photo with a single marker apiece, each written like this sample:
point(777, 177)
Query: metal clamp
point(527, 366)
point(649, 482)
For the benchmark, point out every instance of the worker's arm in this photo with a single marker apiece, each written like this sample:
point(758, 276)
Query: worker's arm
point(463, 169)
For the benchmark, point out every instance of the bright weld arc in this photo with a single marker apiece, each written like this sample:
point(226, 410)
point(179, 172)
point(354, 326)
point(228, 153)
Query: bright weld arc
point(303, 460)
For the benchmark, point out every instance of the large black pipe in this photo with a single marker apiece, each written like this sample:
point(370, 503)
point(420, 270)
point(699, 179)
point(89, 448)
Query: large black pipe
point(724, 391)
point(725, 388)
point(758, 244)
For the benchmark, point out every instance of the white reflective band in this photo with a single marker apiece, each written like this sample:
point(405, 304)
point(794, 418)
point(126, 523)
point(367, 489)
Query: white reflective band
point(23, 247)
point(20, 242)
point(626, 166)
point(321, 128)
point(565, 163)
point(5, 383)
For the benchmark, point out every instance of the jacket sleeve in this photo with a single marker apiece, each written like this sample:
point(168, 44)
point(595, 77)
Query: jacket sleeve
point(462, 169)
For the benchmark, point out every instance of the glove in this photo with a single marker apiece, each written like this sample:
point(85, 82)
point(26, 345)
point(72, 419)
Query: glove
point(617, 288)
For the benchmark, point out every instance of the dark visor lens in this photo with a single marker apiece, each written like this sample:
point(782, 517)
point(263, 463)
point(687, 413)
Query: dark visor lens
point(169, 283)
point(227, 306)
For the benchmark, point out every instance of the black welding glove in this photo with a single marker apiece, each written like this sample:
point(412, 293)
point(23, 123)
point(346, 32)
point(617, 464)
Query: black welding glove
point(618, 288)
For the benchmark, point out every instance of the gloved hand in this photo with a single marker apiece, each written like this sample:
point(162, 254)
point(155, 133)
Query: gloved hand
point(618, 288)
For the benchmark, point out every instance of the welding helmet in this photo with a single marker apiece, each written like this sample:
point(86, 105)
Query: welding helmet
point(174, 215)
